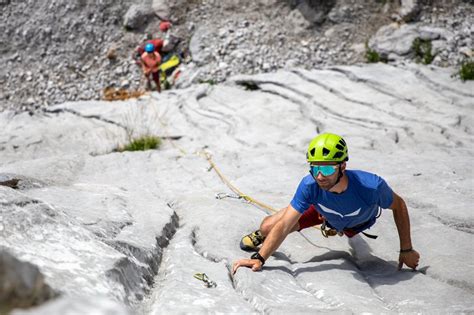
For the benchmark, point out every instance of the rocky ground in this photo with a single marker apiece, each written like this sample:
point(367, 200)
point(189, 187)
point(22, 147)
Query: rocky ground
point(60, 51)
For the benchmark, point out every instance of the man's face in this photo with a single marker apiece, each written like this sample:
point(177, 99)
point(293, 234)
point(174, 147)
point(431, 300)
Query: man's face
point(326, 173)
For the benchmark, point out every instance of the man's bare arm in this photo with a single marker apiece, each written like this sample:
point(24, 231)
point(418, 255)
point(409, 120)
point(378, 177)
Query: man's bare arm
point(408, 255)
point(273, 240)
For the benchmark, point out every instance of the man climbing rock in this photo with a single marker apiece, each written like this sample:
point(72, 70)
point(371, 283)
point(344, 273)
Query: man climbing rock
point(344, 202)
point(150, 61)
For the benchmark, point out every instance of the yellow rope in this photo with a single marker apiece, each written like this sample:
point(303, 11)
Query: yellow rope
point(236, 190)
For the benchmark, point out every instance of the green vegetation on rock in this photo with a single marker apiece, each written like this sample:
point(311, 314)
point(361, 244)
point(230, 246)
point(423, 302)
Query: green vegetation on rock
point(422, 49)
point(466, 72)
point(373, 56)
point(141, 144)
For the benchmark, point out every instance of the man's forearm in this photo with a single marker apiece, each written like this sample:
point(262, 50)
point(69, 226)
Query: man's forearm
point(402, 221)
point(274, 240)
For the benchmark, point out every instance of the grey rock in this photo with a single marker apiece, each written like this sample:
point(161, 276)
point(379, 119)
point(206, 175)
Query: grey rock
point(162, 9)
point(198, 45)
point(409, 10)
point(313, 13)
point(340, 14)
point(437, 46)
point(433, 33)
point(136, 16)
point(394, 39)
point(297, 21)
point(23, 285)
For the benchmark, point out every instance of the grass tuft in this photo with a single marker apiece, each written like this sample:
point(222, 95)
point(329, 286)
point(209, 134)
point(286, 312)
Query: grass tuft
point(143, 143)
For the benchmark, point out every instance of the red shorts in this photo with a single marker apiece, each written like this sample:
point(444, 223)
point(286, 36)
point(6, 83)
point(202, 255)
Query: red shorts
point(309, 218)
point(312, 217)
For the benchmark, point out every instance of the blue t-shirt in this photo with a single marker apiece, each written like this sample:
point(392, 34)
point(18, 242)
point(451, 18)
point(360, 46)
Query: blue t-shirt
point(358, 204)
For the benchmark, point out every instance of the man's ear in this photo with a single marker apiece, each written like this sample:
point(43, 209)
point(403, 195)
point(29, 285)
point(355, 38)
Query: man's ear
point(343, 166)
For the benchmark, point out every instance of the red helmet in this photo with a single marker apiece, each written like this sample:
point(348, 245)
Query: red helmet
point(164, 26)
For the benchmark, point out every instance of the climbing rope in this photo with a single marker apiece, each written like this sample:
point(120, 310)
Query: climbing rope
point(239, 195)
point(325, 231)
point(204, 278)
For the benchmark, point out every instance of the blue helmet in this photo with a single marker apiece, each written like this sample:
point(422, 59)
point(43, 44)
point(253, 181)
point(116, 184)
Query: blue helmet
point(149, 47)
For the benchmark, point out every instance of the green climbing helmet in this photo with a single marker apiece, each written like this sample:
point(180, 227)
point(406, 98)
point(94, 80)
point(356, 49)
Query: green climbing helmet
point(327, 147)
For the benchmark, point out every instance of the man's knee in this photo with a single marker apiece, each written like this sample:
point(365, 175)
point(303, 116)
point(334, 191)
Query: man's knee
point(267, 224)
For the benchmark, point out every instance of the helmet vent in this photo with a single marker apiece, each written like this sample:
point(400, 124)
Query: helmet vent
point(325, 152)
point(338, 155)
point(340, 147)
point(342, 142)
point(313, 150)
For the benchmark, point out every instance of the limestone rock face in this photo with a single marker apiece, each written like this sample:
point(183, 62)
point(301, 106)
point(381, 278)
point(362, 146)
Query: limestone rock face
point(135, 227)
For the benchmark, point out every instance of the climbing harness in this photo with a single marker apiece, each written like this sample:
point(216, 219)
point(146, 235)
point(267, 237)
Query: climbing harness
point(204, 278)
point(327, 231)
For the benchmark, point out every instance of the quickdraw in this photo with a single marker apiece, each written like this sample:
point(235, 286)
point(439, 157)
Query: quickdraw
point(204, 278)
point(224, 195)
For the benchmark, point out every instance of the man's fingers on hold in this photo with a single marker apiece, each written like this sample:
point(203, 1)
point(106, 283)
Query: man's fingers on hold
point(235, 267)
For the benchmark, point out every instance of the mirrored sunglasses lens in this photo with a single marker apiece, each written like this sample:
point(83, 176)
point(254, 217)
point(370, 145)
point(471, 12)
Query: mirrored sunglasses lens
point(325, 170)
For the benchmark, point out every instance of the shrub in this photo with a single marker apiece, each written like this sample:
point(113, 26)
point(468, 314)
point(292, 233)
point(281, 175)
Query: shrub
point(466, 72)
point(422, 49)
point(372, 56)
point(143, 143)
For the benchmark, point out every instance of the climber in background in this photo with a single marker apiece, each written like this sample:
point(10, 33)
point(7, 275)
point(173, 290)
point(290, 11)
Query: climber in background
point(150, 62)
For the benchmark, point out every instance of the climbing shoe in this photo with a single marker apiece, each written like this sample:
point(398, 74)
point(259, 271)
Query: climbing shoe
point(251, 241)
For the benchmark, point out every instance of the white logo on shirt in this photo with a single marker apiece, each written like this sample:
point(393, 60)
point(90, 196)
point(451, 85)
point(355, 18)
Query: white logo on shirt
point(328, 210)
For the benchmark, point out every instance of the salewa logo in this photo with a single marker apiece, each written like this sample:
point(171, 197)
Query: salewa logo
point(326, 209)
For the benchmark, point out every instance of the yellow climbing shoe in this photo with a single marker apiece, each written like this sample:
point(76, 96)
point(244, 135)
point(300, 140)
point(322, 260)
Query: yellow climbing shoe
point(251, 241)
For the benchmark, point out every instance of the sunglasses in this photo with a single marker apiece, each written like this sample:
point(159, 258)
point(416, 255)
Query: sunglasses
point(325, 170)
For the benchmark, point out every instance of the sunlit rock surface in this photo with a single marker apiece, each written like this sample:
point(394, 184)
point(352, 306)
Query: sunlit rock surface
point(136, 226)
